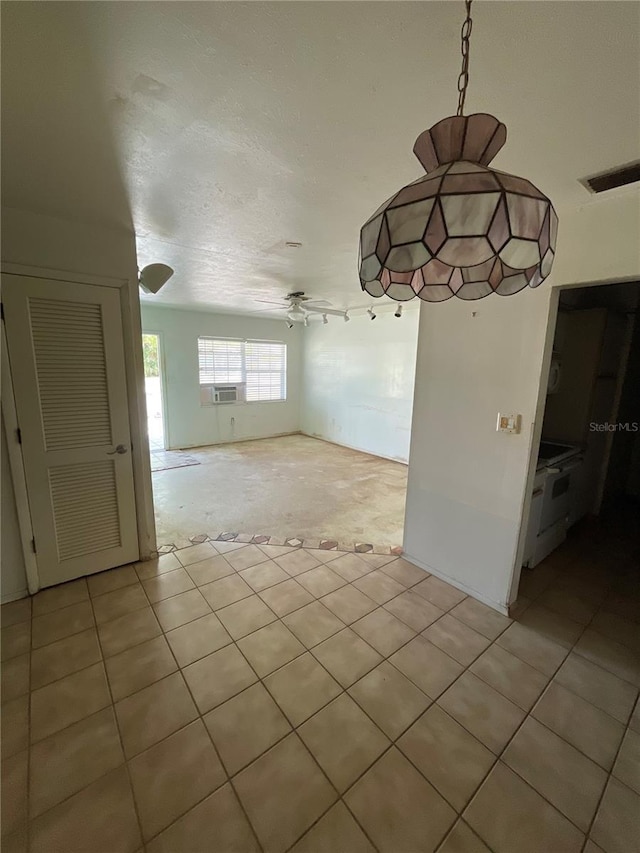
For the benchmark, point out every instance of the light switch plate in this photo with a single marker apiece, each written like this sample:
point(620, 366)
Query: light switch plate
point(508, 423)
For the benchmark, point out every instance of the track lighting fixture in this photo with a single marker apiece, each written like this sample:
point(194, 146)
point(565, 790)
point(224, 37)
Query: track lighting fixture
point(370, 312)
point(289, 325)
point(398, 312)
point(325, 319)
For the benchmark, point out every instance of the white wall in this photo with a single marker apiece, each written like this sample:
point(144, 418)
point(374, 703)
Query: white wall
point(467, 483)
point(358, 381)
point(36, 240)
point(188, 424)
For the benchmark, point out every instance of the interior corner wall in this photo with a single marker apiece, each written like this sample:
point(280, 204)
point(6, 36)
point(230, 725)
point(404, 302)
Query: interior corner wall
point(187, 423)
point(468, 484)
point(358, 381)
point(37, 240)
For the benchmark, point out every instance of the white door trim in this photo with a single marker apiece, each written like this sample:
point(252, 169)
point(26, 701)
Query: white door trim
point(536, 431)
point(61, 275)
point(82, 502)
point(16, 466)
point(130, 313)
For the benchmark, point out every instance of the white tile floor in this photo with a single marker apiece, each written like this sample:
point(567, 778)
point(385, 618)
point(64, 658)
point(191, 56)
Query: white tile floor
point(245, 698)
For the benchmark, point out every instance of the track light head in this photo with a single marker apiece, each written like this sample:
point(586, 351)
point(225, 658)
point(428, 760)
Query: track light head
point(398, 311)
point(371, 313)
point(346, 317)
point(325, 319)
point(289, 325)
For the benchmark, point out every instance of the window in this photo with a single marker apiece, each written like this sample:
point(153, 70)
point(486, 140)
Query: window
point(220, 361)
point(233, 371)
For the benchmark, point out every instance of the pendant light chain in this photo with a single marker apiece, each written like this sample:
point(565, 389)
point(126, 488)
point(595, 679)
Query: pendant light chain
point(463, 79)
point(462, 229)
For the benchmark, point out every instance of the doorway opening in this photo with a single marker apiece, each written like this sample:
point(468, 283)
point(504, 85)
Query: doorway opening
point(586, 476)
point(153, 390)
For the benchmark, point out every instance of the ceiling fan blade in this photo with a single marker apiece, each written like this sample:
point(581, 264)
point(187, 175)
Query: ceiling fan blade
point(318, 302)
point(283, 302)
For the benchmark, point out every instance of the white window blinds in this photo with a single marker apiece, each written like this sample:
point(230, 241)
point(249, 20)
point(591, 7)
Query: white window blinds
point(260, 365)
point(266, 370)
point(220, 361)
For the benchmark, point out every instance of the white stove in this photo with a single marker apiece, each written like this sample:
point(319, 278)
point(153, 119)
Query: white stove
point(552, 453)
point(554, 493)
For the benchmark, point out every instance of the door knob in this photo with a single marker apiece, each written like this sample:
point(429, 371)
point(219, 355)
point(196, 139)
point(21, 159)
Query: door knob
point(120, 449)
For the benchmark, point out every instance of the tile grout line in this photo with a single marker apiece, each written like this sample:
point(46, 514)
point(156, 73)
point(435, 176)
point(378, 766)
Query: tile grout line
point(215, 749)
point(386, 658)
point(115, 717)
point(499, 757)
point(164, 632)
point(617, 752)
point(319, 600)
point(294, 729)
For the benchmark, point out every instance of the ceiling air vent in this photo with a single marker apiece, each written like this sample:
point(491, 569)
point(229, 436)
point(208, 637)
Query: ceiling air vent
point(613, 179)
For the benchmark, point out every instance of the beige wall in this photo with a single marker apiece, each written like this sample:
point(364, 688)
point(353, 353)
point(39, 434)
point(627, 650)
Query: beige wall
point(467, 483)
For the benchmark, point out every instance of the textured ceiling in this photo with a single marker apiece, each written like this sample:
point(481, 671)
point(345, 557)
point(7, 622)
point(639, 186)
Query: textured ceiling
point(223, 130)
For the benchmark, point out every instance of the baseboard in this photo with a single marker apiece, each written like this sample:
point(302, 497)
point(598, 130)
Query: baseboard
point(233, 441)
point(501, 608)
point(14, 596)
point(352, 447)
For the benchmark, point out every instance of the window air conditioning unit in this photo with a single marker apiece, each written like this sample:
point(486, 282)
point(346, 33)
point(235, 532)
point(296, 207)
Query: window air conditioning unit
point(226, 393)
point(212, 395)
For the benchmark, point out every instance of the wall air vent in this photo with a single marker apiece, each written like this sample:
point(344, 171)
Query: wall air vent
point(613, 179)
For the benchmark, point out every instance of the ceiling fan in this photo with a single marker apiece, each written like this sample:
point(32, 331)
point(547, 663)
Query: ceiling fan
point(299, 307)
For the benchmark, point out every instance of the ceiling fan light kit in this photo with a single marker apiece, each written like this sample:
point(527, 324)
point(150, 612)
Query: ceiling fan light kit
point(462, 229)
point(301, 307)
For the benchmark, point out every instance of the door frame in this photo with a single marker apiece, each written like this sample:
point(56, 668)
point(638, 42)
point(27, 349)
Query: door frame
point(552, 317)
point(143, 493)
point(16, 470)
point(163, 384)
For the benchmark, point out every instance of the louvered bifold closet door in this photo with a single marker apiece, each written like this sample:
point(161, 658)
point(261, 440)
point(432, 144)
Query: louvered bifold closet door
point(67, 362)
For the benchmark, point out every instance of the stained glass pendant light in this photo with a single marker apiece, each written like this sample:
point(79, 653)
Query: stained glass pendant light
point(462, 229)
